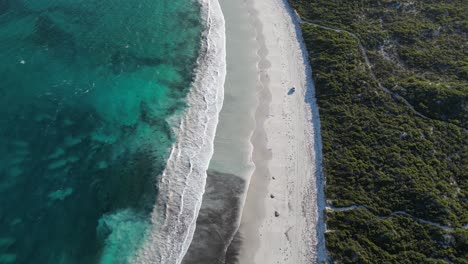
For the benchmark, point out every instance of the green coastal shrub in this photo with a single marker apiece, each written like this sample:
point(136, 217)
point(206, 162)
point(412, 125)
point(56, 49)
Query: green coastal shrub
point(377, 151)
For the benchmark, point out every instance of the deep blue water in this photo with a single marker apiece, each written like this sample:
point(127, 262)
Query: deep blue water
point(86, 88)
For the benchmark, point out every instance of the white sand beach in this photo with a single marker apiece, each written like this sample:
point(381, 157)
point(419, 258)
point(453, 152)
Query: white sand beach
point(265, 143)
point(280, 217)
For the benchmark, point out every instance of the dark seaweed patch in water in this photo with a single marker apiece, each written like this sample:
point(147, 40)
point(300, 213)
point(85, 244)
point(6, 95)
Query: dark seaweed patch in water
point(49, 34)
point(120, 63)
point(124, 62)
point(75, 14)
point(127, 183)
point(149, 61)
point(4, 6)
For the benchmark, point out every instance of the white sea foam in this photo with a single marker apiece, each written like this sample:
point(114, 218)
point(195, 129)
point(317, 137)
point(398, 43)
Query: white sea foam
point(182, 184)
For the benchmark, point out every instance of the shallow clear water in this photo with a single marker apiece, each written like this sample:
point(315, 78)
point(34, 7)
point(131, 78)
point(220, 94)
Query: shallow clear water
point(86, 88)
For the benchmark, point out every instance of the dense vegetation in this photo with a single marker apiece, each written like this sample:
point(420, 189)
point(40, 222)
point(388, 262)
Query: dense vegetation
point(377, 152)
point(417, 47)
point(396, 239)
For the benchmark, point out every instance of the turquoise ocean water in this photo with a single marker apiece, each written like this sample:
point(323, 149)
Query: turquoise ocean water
point(86, 87)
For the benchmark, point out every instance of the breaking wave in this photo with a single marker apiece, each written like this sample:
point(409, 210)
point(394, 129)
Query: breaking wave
point(182, 184)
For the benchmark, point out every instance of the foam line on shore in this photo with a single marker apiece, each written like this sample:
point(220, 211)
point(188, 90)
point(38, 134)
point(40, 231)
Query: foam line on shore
point(182, 183)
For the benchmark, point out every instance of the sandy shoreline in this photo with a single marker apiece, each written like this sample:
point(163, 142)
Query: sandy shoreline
point(267, 156)
point(286, 150)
